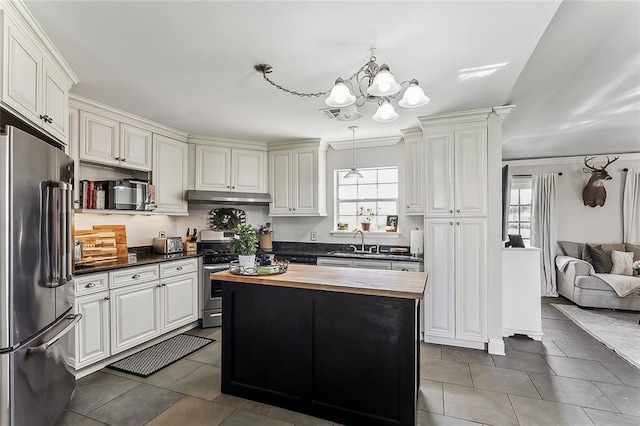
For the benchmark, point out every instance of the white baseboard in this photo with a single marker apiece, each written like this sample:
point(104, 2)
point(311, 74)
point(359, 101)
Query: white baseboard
point(455, 342)
point(496, 347)
point(532, 334)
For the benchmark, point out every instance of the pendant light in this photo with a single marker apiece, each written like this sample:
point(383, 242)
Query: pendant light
point(353, 173)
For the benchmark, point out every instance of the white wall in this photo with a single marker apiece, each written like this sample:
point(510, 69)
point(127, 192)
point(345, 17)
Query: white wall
point(577, 222)
point(300, 228)
point(140, 228)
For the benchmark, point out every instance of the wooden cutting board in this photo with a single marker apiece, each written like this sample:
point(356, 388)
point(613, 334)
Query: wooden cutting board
point(102, 243)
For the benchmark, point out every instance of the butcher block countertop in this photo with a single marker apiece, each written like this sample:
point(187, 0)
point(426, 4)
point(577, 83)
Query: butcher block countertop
point(400, 284)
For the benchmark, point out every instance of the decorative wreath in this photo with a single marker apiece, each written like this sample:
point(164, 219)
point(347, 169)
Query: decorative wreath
point(226, 219)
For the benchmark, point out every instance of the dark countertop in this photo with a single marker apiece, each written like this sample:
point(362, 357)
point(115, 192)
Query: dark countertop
point(124, 262)
point(292, 248)
point(372, 256)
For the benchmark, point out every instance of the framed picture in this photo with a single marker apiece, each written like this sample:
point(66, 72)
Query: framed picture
point(392, 223)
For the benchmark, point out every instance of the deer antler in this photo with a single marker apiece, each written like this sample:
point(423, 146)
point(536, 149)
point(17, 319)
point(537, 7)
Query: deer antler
point(609, 162)
point(586, 163)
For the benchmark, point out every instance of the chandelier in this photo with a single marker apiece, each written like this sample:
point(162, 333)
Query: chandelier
point(370, 84)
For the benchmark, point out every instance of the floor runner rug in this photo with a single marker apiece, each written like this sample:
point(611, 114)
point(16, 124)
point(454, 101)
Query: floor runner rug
point(617, 330)
point(156, 357)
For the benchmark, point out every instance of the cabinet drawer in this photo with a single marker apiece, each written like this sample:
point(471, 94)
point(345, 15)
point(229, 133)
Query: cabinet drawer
point(87, 284)
point(178, 267)
point(405, 266)
point(130, 276)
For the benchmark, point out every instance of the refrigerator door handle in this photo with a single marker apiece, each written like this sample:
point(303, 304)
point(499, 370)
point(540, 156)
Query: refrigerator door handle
point(43, 347)
point(57, 232)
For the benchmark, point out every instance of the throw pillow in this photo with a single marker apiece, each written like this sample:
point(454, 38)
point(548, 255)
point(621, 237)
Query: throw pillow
point(635, 248)
point(598, 258)
point(622, 262)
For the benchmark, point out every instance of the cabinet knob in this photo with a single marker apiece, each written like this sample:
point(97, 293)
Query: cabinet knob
point(450, 223)
point(450, 210)
point(46, 119)
point(117, 158)
point(227, 186)
point(408, 207)
point(457, 210)
point(233, 187)
point(164, 285)
point(457, 223)
point(404, 269)
point(159, 285)
point(135, 277)
point(179, 268)
point(123, 159)
point(107, 298)
point(90, 285)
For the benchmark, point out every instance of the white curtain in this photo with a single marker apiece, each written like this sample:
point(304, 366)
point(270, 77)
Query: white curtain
point(544, 220)
point(631, 207)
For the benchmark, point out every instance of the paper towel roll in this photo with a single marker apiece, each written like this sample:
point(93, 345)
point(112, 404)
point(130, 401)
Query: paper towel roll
point(417, 241)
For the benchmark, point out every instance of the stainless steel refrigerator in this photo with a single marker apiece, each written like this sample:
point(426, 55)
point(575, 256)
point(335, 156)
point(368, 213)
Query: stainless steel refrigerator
point(36, 280)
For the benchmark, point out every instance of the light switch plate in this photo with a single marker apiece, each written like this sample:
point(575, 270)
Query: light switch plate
point(314, 236)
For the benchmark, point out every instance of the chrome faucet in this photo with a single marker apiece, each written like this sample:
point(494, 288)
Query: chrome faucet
point(362, 235)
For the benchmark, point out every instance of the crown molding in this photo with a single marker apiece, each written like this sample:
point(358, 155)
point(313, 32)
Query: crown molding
point(632, 156)
point(366, 143)
point(227, 142)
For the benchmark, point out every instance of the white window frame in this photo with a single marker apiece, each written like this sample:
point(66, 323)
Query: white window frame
point(519, 183)
point(378, 233)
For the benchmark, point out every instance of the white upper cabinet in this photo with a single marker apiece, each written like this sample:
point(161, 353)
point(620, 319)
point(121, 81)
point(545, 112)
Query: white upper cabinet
point(99, 139)
point(297, 179)
point(35, 80)
point(135, 147)
point(170, 163)
point(106, 140)
point(415, 174)
point(220, 168)
point(456, 175)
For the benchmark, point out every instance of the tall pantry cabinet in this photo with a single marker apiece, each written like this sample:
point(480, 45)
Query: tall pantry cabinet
point(462, 227)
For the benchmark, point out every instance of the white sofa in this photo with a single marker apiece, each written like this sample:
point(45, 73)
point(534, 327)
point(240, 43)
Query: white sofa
point(576, 284)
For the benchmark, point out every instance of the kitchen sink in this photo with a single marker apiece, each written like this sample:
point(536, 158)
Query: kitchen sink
point(357, 252)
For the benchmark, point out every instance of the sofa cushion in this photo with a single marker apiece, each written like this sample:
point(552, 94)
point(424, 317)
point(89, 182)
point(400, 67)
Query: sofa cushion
point(635, 248)
point(598, 258)
point(592, 283)
point(621, 262)
point(567, 248)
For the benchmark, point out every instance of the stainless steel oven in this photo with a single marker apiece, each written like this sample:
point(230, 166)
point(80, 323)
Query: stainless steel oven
point(216, 257)
point(212, 296)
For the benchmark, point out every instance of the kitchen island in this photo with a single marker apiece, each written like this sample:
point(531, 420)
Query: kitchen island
point(336, 343)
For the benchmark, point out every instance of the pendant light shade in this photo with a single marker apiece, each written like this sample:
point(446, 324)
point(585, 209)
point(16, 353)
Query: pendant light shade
point(384, 83)
point(353, 172)
point(340, 95)
point(385, 113)
point(414, 96)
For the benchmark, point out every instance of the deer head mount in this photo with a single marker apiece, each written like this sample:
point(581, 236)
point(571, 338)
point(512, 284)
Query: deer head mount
point(594, 193)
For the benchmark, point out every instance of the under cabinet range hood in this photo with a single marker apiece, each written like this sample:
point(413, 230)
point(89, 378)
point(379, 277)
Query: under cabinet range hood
point(223, 197)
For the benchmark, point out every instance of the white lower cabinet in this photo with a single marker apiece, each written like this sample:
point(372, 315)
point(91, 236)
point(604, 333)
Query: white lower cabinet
point(456, 293)
point(92, 332)
point(130, 306)
point(179, 301)
point(135, 317)
point(369, 264)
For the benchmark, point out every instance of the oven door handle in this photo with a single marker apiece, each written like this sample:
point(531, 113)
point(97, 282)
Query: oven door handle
point(215, 268)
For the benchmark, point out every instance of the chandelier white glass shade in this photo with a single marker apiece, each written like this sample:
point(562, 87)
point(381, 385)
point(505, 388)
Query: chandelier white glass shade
point(370, 84)
point(353, 172)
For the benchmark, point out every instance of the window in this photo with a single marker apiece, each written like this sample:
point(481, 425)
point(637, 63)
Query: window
point(520, 209)
point(377, 190)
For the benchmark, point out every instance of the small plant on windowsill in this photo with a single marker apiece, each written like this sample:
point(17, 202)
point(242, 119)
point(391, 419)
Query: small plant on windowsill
point(367, 215)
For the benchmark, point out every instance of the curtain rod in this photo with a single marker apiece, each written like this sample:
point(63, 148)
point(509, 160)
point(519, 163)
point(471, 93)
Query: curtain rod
point(522, 176)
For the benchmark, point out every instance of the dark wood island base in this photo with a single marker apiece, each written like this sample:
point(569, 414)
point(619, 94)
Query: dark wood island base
point(334, 353)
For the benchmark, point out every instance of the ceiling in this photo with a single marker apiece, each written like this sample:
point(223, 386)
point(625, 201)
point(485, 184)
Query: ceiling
point(571, 68)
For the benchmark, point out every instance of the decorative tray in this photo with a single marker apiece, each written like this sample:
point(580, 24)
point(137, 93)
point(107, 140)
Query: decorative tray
point(278, 267)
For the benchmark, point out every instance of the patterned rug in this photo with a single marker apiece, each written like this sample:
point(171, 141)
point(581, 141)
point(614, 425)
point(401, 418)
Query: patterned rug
point(156, 357)
point(617, 330)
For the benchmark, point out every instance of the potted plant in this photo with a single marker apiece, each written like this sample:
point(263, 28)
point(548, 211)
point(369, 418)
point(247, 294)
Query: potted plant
point(367, 216)
point(244, 244)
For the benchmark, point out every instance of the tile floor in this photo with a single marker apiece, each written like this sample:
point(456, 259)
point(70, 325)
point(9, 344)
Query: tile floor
point(567, 379)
